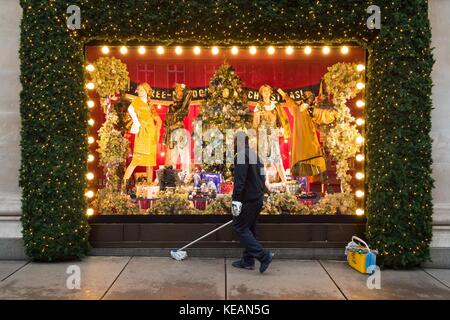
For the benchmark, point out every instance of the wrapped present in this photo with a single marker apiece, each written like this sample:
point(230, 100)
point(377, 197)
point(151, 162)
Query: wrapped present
point(168, 178)
point(226, 187)
point(278, 187)
point(214, 177)
point(292, 187)
point(303, 183)
point(152, 192)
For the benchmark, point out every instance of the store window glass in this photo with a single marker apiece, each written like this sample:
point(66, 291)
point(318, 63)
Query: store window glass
point(162, 122)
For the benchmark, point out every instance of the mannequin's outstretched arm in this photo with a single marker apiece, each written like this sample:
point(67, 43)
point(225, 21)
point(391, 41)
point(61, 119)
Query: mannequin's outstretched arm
point(136, 124)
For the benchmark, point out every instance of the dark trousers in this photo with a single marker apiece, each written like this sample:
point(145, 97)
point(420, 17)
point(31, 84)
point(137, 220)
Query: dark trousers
point(245, 225)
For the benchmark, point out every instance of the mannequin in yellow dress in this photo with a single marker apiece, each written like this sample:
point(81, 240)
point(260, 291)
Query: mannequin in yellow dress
point(307, 158)
point(146, 126)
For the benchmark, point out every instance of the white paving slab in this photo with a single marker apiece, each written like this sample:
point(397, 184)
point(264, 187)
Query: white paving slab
point(49, 280)
point(9, 267)
point(285, 279)
point(165, 279)
point(394, 284)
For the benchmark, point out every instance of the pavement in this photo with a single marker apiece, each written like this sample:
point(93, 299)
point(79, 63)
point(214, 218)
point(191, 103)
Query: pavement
point(156, 278)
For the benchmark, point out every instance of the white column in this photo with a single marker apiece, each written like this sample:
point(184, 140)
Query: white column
point(10, 205)
point(439, 13)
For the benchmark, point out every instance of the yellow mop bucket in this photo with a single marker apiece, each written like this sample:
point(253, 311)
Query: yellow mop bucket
point(360, 257)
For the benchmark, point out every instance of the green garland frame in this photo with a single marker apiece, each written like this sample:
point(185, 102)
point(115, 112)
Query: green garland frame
point(398, 111)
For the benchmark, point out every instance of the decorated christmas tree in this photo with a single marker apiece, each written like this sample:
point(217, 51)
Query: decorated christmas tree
point(224, 108)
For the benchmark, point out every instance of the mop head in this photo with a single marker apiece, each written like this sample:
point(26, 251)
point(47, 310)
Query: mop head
point(178, 255)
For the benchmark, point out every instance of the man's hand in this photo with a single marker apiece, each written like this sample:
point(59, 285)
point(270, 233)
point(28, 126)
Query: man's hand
point(236, 208)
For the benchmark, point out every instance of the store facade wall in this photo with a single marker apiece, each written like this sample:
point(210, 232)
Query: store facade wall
point(439, 11)
point(10, 229)
point(10, 207)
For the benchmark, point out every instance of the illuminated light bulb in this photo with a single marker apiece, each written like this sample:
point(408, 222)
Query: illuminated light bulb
point(163, 154)
point(308, 50)
point(359, 157)
point(91, 158)
point(360, 121)
point(326, 50)
point(91, 140)
point(360, 67)
point(141, 50)
point(359, 140)
point(344, 50)
point(234, 50)
point(360, 103)
point(197, 50)
point(289, 50)
point(271, 50)
point(123, 50)
point(359, 175)
point(90, 212)
point(90, 176)
point(105, 49)
point(90, 68)
point(360, 86)
point(90, 86)
point(215, 50)
point(359, 193)
point(89, 194)
point(91, 122)
point(178, 50)
point(359, 212)
point(286, 140)
point(252, 50)
point(90, 104)
point(160, 50)
point(159, 106)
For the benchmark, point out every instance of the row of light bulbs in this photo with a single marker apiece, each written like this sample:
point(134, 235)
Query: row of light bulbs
point(271, 50)
point(360, 140)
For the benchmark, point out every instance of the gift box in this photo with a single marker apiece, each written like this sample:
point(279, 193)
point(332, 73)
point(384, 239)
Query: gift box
point(226, 187)
point(168, 178)
point(152, 192)
point(215, 177)
point(292, 187)
point(303, 183)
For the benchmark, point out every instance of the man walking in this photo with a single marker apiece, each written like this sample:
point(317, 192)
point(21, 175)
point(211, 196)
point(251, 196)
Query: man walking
point(247, 202)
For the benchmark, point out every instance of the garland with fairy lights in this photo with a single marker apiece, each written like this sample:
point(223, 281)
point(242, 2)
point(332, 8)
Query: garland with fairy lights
point(398, 102)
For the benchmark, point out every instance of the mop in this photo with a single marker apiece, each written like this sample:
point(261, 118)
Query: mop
point(180, 254)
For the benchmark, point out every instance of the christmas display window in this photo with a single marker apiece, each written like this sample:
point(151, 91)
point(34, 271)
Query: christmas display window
point(161, 119)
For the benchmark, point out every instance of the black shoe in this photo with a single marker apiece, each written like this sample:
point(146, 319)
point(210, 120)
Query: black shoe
point(241, 265)
point(266, 262)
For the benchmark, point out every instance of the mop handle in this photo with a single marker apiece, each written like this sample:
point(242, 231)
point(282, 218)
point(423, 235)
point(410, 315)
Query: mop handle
point(204, 236)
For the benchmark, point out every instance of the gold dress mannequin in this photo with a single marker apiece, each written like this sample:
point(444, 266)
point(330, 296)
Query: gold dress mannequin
point(146, 126)
point(307, 158)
